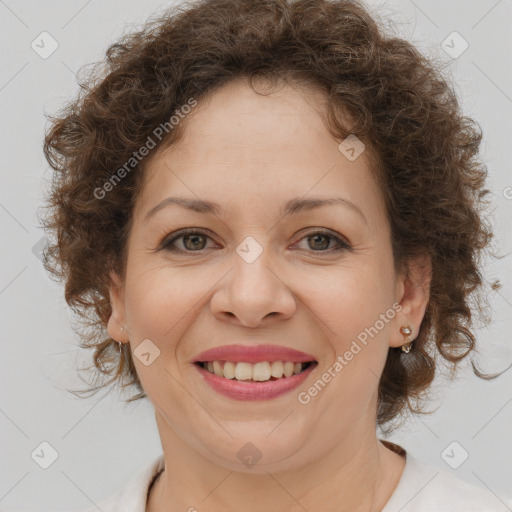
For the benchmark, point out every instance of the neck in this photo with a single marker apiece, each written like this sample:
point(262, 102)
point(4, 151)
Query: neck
point(358, 475)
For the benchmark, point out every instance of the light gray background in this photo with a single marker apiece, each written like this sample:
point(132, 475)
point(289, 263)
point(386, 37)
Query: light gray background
point(101, 442)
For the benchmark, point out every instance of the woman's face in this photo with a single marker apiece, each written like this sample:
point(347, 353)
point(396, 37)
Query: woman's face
point(312, 278)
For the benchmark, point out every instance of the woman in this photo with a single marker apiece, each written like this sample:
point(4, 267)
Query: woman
point(273, 209)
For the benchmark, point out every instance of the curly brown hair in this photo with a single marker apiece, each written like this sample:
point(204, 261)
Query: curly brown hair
point(424, 153)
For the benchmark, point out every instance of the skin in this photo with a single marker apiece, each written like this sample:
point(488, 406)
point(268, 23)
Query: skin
point(250, 153)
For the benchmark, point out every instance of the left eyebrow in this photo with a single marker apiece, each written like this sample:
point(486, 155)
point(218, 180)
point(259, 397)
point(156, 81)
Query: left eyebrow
point(298, 204)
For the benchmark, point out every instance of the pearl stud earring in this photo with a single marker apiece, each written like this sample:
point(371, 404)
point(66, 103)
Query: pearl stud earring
point(406, 332)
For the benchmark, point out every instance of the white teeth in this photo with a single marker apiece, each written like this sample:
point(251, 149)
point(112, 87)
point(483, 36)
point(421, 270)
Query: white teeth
point(243, 371)
point(260, 372)
point(229, 370)
point(288, 368)
point(217, 369)
point(277, 369)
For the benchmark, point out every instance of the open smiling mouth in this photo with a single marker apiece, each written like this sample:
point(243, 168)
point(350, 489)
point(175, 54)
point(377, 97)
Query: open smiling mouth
point(262, 371)
point(258, 372)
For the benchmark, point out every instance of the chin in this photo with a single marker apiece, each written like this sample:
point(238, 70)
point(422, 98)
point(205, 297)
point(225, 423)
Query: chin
point(257, 454)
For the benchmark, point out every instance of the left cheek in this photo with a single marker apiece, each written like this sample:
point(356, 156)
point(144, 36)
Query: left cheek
point(355, 308)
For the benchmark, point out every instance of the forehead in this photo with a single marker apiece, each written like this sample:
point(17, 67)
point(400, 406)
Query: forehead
point(238, 117)
point(269, 144)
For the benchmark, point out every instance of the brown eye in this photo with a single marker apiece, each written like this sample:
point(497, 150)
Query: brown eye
point(194, 242)
point(319, 241)
point(187, 241)
point(322, 241)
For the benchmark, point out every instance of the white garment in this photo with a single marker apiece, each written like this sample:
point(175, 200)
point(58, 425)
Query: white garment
point(424, 488)
point(421, 488)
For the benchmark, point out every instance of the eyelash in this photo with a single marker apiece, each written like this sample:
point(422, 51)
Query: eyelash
point(167, 245)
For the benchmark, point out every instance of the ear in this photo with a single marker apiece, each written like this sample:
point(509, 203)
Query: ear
point(117, 318)
point(412, 294)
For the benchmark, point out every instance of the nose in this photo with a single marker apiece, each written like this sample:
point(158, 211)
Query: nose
point(253, 294)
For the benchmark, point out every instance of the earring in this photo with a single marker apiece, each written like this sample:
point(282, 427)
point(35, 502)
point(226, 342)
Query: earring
point(406, 332)
point(120, 344)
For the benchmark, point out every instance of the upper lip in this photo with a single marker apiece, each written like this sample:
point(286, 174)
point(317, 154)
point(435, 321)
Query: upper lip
point(253, 354)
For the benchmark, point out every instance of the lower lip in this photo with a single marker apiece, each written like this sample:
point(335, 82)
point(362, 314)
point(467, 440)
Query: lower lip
point(240, 390)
